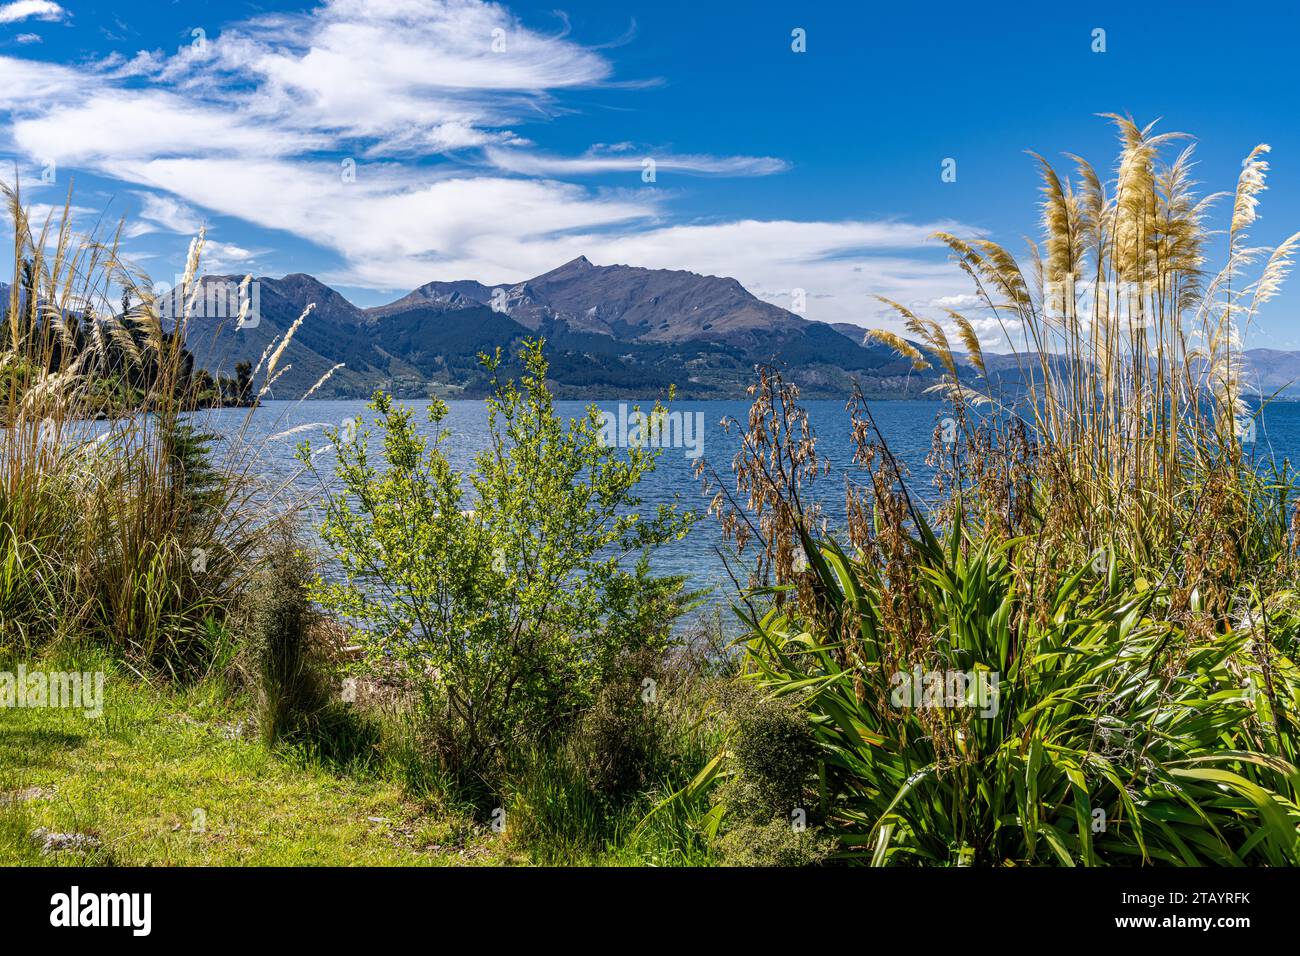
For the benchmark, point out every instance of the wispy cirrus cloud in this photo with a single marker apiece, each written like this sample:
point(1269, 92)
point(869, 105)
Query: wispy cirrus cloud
point(628, 159)
point(162, 213)
point(390, 133)
point(31, 87)
point(400, 75)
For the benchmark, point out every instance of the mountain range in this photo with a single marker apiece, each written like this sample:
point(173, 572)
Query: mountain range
point(612, 331)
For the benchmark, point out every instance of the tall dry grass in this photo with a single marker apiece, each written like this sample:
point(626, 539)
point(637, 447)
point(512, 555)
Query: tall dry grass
point(121, 521)
point(1105, 545)
point(1122, 415)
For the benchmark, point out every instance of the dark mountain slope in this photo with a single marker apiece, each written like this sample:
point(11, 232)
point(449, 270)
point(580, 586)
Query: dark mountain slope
point(612, 332)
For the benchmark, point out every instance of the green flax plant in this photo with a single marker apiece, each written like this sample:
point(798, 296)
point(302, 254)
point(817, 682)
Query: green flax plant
point(974, 705)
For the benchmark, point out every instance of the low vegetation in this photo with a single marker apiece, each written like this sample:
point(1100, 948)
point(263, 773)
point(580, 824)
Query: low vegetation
point(178, 776)
point(509, 616)
point(1082, 654)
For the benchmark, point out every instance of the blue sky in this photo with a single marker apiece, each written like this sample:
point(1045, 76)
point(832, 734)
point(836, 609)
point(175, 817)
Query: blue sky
point(817, 171)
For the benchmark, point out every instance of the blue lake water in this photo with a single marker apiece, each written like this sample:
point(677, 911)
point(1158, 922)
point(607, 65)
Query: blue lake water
point(907, 426)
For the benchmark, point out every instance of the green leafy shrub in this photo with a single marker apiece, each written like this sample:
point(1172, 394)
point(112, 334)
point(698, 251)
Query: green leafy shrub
point(775, 843)
point(766, 810)
point(507, 608)
point(774, 752)
point(621, 743)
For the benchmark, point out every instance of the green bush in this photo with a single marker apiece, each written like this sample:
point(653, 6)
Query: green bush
point(644, 736)
point(509, 608)
point(775, 843)
point(765, 811)
point(774, 752)
point(622, 743)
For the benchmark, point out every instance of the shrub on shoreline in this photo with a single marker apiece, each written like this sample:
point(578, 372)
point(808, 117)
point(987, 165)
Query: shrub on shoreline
point(509, 609)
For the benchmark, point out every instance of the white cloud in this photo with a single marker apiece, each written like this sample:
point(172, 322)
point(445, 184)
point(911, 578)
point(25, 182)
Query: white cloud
point(163, 212)
point(595, 161)
point(144, 63)
point(391, 225)
point(27, 38)
point(965, 300)
point(31, 85)
point(994, 334)
point(40, 213)
point(120, 125)
point(31, 10)
point(388, 70)
point(219, 257)
point(253, 122)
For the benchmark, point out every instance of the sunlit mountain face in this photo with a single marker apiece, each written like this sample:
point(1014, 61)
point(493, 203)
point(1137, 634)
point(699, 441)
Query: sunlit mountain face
point(609, 329)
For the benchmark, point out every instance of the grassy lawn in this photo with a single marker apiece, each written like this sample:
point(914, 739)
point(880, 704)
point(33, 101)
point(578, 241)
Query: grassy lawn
point(167, 778)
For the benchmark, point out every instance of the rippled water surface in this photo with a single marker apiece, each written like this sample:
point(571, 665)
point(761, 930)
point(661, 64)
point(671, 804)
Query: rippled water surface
point(906, 425)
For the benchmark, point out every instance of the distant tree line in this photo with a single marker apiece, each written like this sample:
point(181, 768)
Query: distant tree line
point(120, 353)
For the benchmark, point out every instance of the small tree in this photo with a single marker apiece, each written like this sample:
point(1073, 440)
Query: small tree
point(509, 611)
point(244, 382)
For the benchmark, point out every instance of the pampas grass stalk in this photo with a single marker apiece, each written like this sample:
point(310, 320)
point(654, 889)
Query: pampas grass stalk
point(1127, 352)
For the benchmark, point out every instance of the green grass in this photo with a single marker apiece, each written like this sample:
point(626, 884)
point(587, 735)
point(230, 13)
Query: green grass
point(563, 823)
point(135, 778)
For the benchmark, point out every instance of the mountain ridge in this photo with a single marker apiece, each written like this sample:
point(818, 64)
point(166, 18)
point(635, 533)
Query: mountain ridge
point(612, 331)
point(633, 302)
